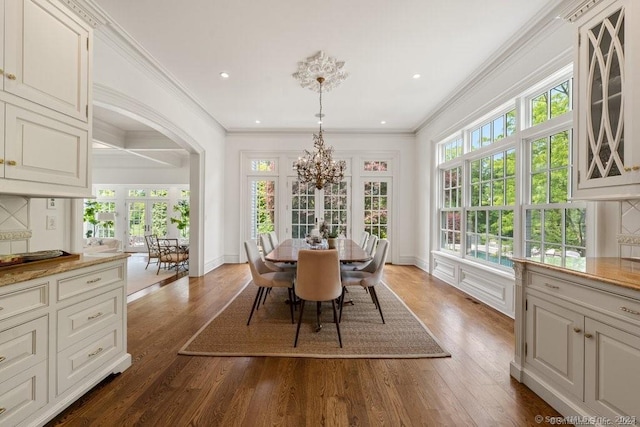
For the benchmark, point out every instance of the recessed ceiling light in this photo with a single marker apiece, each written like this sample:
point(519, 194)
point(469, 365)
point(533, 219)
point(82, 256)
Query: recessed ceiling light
point(383, 122)
point(224, 75)
point(416, 76)
point(257, 122)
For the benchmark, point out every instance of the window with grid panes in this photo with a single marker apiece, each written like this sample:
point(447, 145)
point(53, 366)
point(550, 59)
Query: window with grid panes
point(451, 213)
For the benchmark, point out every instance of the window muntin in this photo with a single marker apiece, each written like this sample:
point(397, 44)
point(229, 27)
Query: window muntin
point(551, 103)
point(263, 207)
point(376, 202)
point(303, 209)
point(262, 165)
point(106, 194)
point(376, 166)
point(493, 179)
point(493, 130)
point(549, 168)
point(452, 150)
point(159, 193)
point(137, 193)
point(450, 220)
point(490, 235)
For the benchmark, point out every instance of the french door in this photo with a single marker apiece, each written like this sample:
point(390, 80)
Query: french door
point(145, 217)
point(308, 206)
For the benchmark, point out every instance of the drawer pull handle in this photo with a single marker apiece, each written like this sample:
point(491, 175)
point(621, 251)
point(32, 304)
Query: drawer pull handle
point(588, 335)
point(11, 76)
point(98, 314)
point(577, 330)
point(98, 351)
point(548, 285)
point(97, 279)
point(628, 310)
point(2, 359)
point(2, 410)
point(11, 162)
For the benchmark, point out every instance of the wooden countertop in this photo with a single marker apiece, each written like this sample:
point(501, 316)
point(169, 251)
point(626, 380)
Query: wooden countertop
point(615, 271)
point(27, 272)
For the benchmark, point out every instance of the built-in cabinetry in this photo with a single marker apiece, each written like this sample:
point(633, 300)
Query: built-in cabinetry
point(59, 336)
point(607, 113)
point(578, 342)
point(45, 131)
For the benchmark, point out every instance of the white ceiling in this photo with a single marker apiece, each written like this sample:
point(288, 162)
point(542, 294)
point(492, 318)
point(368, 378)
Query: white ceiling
point(383, 42)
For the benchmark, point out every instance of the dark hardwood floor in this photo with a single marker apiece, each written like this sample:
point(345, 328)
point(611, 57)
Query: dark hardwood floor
point(161, 388)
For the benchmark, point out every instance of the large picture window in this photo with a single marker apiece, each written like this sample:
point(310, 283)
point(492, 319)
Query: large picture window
point(515, 182)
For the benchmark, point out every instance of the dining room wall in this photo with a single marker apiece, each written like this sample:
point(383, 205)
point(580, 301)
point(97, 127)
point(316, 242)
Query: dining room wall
point(347, 146)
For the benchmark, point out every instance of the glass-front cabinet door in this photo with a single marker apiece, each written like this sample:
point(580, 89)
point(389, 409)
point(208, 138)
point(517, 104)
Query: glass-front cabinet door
point(608, 163)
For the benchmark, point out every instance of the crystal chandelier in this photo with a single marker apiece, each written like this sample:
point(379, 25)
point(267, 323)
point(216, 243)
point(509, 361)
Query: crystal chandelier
point(319, 168)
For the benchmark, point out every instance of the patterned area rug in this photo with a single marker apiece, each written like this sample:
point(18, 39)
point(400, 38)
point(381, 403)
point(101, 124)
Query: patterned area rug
point(271, 332)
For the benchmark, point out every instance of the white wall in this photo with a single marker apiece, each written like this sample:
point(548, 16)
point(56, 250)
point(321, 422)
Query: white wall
point(131, 84)
point(345, 145)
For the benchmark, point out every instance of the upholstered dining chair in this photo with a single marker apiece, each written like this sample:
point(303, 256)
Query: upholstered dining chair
point(265, 242)
point(273, 237)
point(152, 247)
point(265, 278)
point(363, 239)
point(318, 279)
point(368, 277)
point(171, 255)
point(370, 248)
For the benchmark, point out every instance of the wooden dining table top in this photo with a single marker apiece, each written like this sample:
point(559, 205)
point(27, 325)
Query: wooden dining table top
point(287, 251)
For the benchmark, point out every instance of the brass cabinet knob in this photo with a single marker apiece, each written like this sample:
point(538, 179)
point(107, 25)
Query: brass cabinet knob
point(11, 162)
point(635, 168)
point(1, 71)
point(11, 76)
point(627, 169)
point(1, 161)
point(588, 335)
point(577, 330)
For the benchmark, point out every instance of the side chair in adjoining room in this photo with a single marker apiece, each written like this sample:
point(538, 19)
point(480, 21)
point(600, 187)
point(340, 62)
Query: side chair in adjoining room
point(318, 280)
point(265, 278)
point(368, 277)
point(152, 247)
point(172, 255)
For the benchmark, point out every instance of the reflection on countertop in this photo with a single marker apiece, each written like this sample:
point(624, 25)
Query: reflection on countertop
point(623, 272)
point(28, 271)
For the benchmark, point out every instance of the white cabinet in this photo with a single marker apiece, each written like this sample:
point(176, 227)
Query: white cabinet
point(59, 336)
point(607, 117)
point(45, 131)
point(578, 343)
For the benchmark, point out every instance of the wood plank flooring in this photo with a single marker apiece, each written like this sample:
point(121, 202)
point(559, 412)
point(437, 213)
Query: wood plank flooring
point(473, 387)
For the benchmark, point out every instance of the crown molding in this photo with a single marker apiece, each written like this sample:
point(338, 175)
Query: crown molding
point(90, 14)
point(118, 38)
point(574, 11)
point(529, 33)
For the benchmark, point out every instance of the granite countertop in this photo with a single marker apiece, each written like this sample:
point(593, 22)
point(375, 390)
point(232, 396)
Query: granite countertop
point(27, 272)
point(615, 271)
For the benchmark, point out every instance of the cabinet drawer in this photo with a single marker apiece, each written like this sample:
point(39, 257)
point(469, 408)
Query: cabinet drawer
point(24, 394)
point(23, 346)
point(602, 301)
point(81, 320)
point(22, 301)
point(89, 280)
point(83, 358)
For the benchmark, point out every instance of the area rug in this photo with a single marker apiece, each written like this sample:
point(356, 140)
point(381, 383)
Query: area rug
point(271, 332)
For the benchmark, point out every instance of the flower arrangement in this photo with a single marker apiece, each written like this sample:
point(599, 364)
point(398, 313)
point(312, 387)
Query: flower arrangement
point(327, 232)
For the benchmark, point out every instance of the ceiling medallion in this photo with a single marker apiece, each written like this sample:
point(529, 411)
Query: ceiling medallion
point(320, 65)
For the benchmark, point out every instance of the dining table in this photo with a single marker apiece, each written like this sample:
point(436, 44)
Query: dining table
point(287, 252)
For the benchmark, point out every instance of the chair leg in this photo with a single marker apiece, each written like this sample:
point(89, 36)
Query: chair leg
point(375, 295)
point(255, 301)
point(295, 343)
point(290, 290)
point(344, 289)
point(335, 318)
